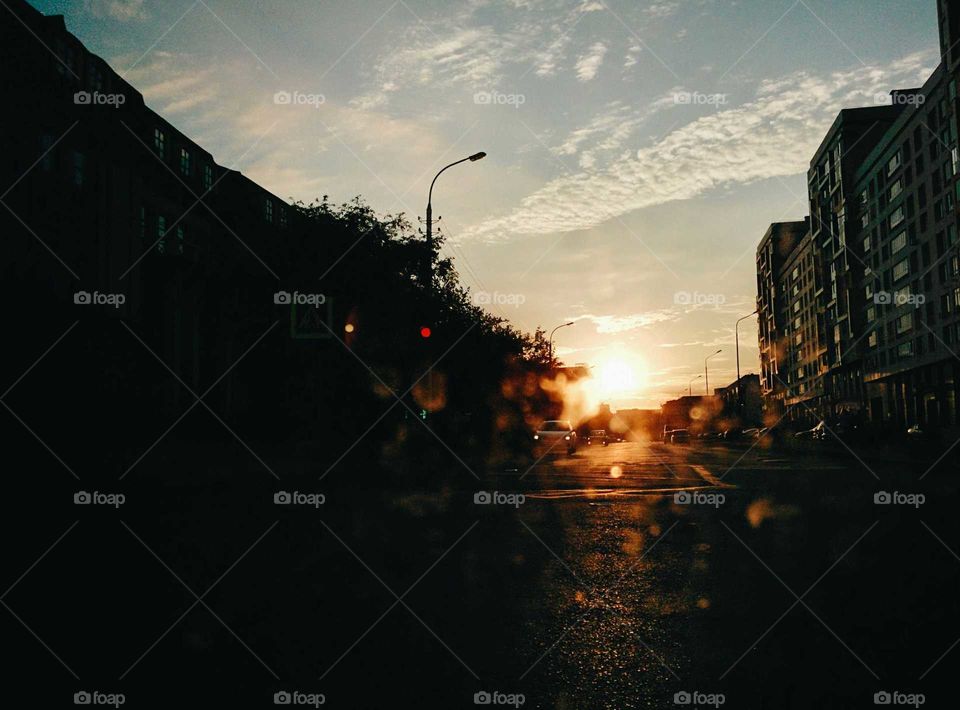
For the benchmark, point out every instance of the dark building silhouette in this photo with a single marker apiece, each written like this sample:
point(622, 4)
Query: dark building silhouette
point(741, 401)
point(861, 314)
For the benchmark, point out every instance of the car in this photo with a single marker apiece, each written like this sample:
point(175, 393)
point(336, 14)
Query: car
point(818, 433)
point(666, 434)
point(597, 436)
point(554, 436)
point(679, 436)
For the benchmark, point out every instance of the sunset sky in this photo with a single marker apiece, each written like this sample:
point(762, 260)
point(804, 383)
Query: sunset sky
point(637, 151)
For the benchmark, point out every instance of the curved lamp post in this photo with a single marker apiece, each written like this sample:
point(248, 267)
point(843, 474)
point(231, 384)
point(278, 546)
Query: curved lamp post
point(550, 342)
point(690, 385)
point(706, 374)
point(429, 268)
point(736, 330)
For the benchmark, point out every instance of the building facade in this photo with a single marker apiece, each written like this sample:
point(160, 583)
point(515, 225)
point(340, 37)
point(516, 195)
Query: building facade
point(874, 328)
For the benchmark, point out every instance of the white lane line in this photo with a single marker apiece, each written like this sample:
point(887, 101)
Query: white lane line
point(709, 477)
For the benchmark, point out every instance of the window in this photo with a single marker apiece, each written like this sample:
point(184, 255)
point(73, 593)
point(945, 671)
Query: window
point(893, 164)
point(79, 162)
point(872, 339)
point(901, 269)
point(904, 323)
point(268, 210)
point(796, 307)
point(207, 177)
point(896, 217)
point(896, 188)
point(871, 314)
point(898, 243)
point(161, 234)
point(185, 162)
point(905, 349)
point(160, 142)
point(283, 217)
point(866, 244)
point(864, 219)
point(863, 198)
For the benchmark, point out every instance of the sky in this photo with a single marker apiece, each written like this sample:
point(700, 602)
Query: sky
point(637, 150)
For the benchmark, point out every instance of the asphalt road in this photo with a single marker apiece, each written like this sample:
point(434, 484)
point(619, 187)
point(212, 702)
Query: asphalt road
point(615, 578)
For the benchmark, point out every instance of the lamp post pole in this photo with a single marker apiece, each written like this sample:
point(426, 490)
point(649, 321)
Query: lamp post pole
point(690, 385)
point(550, 342)
point(428, 268)
point(736, 330)
point(706, 374)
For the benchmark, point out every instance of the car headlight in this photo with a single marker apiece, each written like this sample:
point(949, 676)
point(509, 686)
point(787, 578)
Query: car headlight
point(536, 436)
point(567, 437)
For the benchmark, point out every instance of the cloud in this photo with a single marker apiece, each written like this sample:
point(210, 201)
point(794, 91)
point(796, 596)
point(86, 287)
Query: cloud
point(773, 135)
point(589, 64)
point(123, 10)
point(633, 321)
point(663, 9)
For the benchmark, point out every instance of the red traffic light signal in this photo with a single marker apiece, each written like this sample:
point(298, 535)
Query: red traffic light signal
point(425, 331)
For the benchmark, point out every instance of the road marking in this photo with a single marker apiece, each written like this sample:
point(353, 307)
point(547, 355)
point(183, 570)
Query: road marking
point(709, 477)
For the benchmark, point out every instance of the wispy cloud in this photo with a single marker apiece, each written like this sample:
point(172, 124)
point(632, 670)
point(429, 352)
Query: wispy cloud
point(606, 324)
point(123, 10)
point(772, 135)
point(589, 63)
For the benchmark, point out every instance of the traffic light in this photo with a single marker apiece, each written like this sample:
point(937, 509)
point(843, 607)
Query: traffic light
point(425, 332)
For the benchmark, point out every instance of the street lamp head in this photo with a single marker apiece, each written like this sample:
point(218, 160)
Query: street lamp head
point(718, 351)
point(570, 323)
point(477, 156)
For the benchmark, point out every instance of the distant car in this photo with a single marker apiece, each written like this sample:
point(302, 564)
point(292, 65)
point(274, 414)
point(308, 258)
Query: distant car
point(666, 434)
point(556, 435)
point(679, 436)
point(817, 433)
point(597, 436)
point(735, 434)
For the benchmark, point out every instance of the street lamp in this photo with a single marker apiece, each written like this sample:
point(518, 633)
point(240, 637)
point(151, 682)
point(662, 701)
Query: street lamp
point(690, 385)
point(706, 375)
point(550, 342)
point(428, 271)
point(736, 330)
